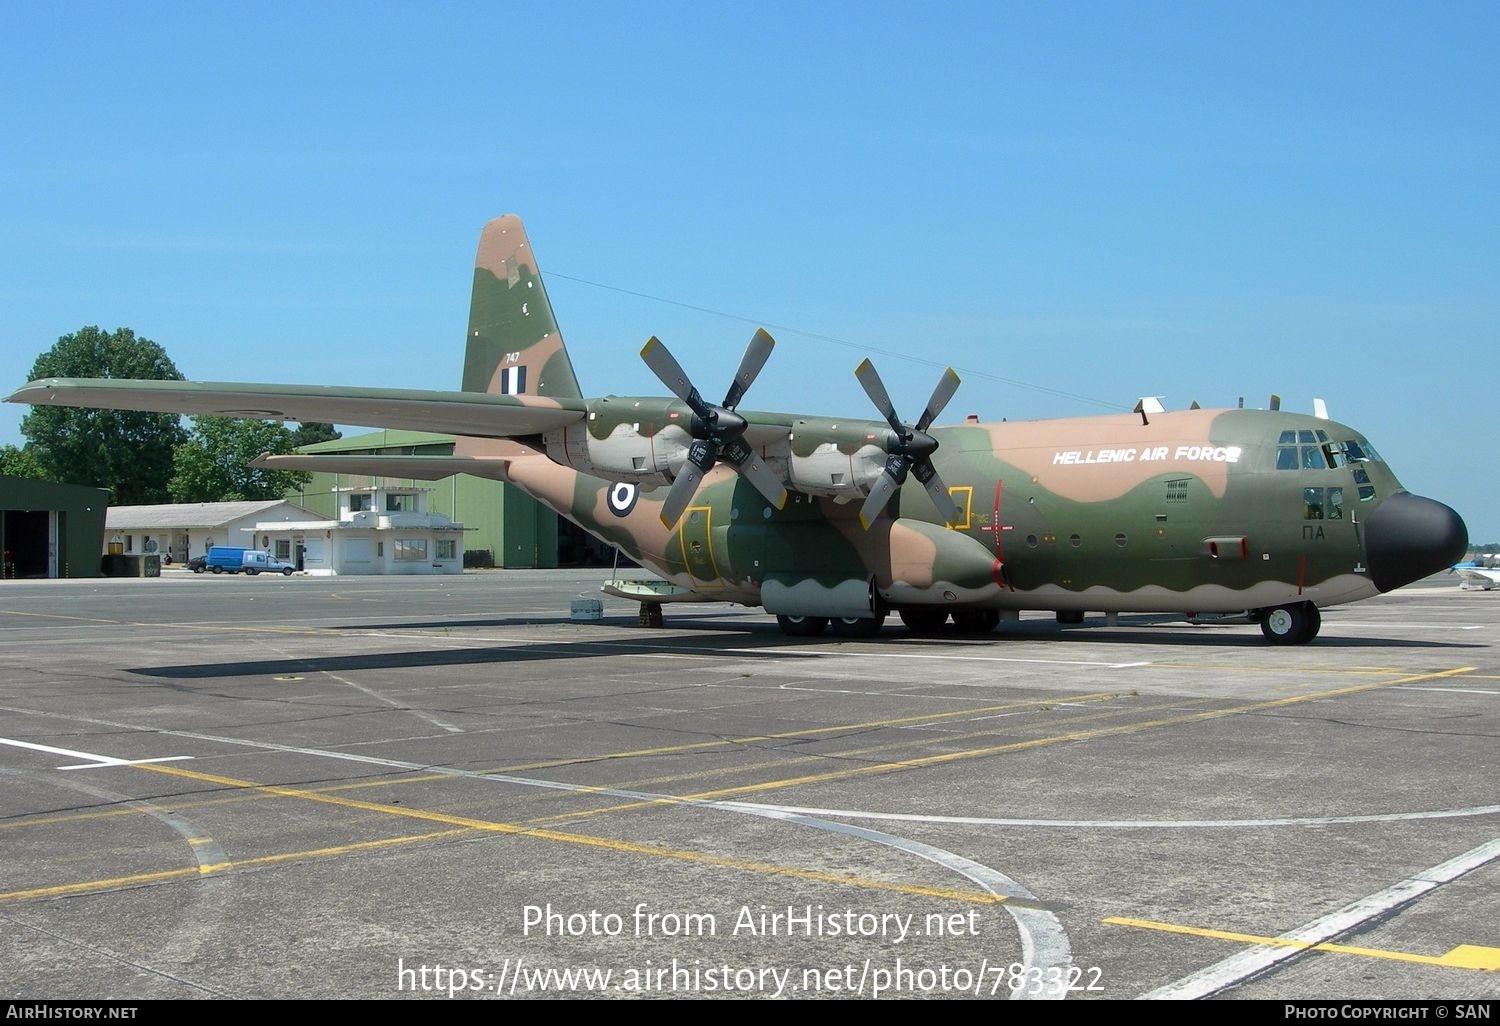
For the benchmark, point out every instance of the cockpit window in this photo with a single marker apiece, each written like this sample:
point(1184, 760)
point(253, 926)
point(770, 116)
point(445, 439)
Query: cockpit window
point(1305, 437)
point(1366, 489)
point(1288, 438)
point(1313, 457)
point(1286, 457)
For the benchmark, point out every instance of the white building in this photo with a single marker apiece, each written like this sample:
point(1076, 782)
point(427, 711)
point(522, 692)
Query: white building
point(381, 529)
point(179, 531)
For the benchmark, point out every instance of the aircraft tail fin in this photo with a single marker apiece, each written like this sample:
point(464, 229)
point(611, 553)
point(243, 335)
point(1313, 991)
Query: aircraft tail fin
point(514, 346)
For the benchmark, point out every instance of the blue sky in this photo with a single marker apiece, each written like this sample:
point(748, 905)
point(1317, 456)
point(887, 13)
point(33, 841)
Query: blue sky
point(1072, 204)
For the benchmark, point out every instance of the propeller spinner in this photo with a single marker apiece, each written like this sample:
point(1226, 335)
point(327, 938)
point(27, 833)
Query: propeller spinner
point(910, 448)
point(716, 430)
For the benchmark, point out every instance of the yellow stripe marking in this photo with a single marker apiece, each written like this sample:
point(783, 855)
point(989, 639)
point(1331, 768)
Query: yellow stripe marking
point(425, 778)
point(137, 879)
point(1465, 956)
point(584, 840)
point(1018, 746)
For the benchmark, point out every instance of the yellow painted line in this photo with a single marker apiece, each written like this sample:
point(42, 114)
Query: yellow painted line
point(1465, 956)
point(60, 616)
point(1310, 671)
point(61, 890)
point(423, 778)
point(584, 840)
point(1017, 746)
point(137, 879)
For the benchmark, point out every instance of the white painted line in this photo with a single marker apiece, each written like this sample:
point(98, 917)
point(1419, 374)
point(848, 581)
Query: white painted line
point(1451, 691)
point(1418, 626)
point(1129, 824)
point(95, 761)
point(450, 728)
point(1235, 969)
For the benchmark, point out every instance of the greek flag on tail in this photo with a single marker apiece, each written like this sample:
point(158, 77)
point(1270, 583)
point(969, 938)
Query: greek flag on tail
point(513, 381)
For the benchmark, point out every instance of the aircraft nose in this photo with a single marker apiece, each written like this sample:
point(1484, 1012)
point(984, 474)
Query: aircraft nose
point(1408, 537)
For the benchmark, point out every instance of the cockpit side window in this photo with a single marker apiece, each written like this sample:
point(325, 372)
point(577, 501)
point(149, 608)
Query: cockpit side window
point(1312, 504)
point(1313, 457)
point(1286, 457)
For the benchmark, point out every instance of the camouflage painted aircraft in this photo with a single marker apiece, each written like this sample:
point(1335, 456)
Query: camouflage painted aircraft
point(837, 522)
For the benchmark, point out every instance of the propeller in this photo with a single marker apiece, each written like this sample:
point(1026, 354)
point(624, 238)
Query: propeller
point(716, 430)
point(910, 448)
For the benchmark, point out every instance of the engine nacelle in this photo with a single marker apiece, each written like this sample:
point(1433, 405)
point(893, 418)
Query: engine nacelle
point(833, 461)
point(624, 454)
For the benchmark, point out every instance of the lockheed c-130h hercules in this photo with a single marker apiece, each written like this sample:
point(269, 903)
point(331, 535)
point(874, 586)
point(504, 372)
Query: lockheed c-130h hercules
point(825, 521)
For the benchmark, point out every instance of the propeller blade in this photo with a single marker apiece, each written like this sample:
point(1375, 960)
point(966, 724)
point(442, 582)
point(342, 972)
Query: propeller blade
point(665, 366)
point(748, 463)
point(928, 475)
point(946, 386)
point(683, 490)
point(881, 494)
point(875, 389)
point(756, 354)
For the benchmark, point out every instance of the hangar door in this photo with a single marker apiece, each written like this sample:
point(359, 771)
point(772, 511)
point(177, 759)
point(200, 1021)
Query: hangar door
point(29, 538)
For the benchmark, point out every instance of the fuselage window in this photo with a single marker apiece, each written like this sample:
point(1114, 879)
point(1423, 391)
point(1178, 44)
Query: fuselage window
point(1312, 504)
point(1334, 508)
point(1120, 540)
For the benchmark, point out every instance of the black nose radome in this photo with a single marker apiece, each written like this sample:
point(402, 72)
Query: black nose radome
point(1408, 537)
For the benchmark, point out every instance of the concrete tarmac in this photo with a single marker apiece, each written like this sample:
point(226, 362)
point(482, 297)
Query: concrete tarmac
point(304, 787)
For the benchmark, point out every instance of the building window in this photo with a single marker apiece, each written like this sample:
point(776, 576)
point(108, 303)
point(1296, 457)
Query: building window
point(358, 503)
point(400, 503)
point(447, 548)
point(130, 543)
point(410, 549)
point(283, 549)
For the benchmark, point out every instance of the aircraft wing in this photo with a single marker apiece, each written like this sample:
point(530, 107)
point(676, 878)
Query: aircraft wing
point(457, 413)
point(1483, 578)
point(420, 468)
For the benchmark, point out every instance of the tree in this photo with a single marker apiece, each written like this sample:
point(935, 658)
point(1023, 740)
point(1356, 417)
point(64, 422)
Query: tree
point(212, 465)
point(19, 463)
point(312, 433)
point(126, 452)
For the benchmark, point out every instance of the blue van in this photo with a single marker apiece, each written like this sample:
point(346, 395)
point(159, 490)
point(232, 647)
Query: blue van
point(225, 559)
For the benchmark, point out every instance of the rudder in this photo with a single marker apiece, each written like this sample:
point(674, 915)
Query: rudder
point(514, 346)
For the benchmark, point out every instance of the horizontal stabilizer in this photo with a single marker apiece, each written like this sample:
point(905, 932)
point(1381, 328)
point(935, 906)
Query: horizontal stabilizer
point(458, 413)
point(418, 468)
point(652, 591)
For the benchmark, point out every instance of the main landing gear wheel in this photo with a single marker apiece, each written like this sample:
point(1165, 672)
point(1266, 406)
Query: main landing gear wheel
point(856, 626)
point(1296, 623)
point(976, 621)
point(802, 626)
point(924, 621)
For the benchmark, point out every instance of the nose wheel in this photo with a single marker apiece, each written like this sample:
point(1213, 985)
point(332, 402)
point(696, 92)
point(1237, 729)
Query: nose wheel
point(1295, 623)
